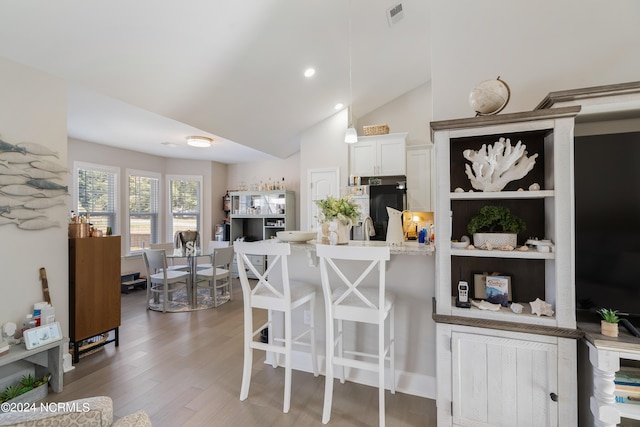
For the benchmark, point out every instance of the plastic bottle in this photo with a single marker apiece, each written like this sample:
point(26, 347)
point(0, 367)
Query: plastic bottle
point(28, 322)
point(282, 186)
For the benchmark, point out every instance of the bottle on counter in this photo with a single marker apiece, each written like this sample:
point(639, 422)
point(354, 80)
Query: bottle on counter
point(282, 186)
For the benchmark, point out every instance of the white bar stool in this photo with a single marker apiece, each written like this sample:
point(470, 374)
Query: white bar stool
point(267, 295)
point(346, 300)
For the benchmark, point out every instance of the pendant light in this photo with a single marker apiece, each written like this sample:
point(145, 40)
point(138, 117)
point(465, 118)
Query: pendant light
point(350, 136)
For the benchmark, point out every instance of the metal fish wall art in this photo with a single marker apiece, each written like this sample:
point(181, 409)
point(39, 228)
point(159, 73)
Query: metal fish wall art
point(13, 179)
point(23, 214)
point(4, 221)
point(37, 224)
point(38, 149)
point(48, 166)
point(15, 157)
point(10, 201)
point(22, 190)
point(26, 189)
point(5, 146)
point(36, 173)
point(44, 184)
point(43, 203)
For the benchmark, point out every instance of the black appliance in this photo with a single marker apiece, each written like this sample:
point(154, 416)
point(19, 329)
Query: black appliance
point(381, 196)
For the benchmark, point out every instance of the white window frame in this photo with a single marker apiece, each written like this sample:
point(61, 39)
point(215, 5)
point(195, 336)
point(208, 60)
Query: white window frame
point(77, 166)
point(145, 174)
point(169, 213)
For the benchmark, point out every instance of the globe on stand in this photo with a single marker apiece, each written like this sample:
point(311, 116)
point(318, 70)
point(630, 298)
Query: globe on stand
point(489, 97)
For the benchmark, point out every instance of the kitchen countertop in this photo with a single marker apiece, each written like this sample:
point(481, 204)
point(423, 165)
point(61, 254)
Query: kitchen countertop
point(408, 248)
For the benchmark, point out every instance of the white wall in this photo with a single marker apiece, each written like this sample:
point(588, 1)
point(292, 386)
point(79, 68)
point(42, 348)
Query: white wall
point(410, 112)
point(322, 146)
point(536, 47)
point(33, 109)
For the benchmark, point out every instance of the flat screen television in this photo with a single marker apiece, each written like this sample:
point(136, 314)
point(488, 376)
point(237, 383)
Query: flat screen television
point(607, 221)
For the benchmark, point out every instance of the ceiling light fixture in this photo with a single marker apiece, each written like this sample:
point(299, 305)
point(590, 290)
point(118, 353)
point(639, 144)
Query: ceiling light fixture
point(199, 141)
point(309, 72)
point(339, 106)
point(350, 136)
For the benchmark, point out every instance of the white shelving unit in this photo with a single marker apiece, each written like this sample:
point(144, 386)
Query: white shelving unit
point(470, 341)
point(259, 215)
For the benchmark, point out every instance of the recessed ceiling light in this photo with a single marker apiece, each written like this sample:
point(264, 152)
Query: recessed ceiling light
point(309, 72)
point(339, 106)
point(169, 144)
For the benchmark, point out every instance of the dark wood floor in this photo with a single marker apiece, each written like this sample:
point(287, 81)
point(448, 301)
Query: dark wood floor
point(185, 369)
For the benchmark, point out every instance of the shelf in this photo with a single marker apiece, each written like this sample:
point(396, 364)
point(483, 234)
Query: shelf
point(239, 216)
point(628, 410)
point(482, 195)
point(505, 315)
point(481, 253)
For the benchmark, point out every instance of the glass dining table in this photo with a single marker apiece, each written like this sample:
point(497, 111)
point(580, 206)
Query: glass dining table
point(195, 300)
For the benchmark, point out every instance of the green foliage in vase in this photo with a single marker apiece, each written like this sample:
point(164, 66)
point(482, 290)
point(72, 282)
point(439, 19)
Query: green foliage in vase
point(496, 219)
point(609, 315)
point(341, 209)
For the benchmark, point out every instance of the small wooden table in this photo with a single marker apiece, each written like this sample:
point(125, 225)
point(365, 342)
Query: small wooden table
point(46, 358)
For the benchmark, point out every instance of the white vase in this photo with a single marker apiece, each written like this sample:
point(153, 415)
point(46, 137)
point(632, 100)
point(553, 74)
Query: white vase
point(334, 232)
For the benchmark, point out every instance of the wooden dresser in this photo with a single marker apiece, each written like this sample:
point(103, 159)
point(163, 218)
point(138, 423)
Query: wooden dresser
point(94, 290)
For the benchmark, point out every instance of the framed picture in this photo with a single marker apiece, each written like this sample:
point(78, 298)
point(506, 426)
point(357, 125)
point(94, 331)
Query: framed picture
point(497, 289)
point(480, 285)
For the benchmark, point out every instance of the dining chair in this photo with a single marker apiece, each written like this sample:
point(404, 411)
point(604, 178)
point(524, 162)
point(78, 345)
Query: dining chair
point(168, 247)
point(218, 277)
point(343, 270)
point(160, 279)
point(213, 245)
point(271, 295)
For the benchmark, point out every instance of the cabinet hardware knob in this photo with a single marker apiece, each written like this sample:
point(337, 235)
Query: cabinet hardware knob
point(553, 397)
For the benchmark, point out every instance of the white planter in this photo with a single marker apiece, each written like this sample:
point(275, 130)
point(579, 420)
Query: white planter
point(495, 240)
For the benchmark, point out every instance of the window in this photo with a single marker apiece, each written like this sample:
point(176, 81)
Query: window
point(97, 194)
point(144, 191)
point(185, 202)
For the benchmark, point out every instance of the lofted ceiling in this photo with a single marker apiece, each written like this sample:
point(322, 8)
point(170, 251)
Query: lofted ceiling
point(147, 72)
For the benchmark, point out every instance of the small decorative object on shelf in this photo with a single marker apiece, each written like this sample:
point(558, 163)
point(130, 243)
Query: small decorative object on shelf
point(486, 305)
point(516, 308)
point(489, 97)
point(493, 167)
point(609, 322)
point(495, 227)
point(541, 308)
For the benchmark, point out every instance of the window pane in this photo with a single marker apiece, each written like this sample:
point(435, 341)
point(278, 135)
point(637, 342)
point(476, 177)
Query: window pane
point(97, 195)
point(185, 205)
point(143, 212)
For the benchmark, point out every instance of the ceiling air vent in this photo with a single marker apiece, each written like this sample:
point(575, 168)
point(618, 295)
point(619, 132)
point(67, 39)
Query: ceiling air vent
point(395, 14)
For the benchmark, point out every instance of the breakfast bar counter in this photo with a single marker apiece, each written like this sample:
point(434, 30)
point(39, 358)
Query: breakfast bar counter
point(410, 276)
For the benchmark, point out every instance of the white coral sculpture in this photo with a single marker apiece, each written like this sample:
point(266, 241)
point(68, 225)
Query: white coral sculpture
point(493, 167)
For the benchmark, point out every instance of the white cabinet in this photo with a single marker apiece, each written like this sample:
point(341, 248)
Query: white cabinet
point(548, 214)
point(379, 155)
point(419, 178)
point(503, 380)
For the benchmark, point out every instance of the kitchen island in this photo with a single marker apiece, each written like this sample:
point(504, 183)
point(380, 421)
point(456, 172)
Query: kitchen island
point(410, 276)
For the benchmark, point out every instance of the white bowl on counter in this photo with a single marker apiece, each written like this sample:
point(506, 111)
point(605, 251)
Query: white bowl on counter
point(296, 236)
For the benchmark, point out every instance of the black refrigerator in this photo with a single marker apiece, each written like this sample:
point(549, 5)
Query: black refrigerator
point(381, 196)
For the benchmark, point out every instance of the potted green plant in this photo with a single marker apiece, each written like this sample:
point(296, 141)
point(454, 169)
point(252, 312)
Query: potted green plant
point(336, 216)
point(609, 322)
point(29, 389)
point(495, 226)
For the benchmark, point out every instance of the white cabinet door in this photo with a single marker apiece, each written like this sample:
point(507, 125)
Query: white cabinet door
point(501, 381)
point(419, 179)
point(391, 157)
point(379, 155)
point(364, 158)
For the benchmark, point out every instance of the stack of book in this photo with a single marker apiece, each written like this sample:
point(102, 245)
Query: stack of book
point(627, 383)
